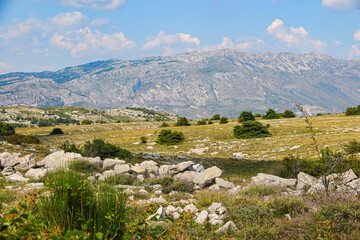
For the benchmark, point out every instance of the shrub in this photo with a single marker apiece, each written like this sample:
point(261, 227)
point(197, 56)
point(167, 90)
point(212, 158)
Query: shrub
point(69, 147)
point(271, 114)
point(282, 206)
point(164, 124)
point(56, 131)
point(18, 139)
point(98, 148)
point(84, 167)
point(246, 116)
point(257, 115)
point(86, 122)
point(251, 129)
point(352, 111)
point(353, 147)
point(201, 122)
point(182, 121)
point(260, 191)
point(289, 114)
point(143, 139)
point(210, 122)
point(73, 205)
point(169, 137)
point(6, 129)
point(224, 120)
point(170, 184)
point(216, 117)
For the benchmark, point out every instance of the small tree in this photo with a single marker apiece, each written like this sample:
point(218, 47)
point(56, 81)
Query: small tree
point(246, 116)
point(98, 148)
point(6, 129)
point(182, 121)
point(289, 114)
point(257, 115)
point(169, 137)
point(164, 124)
point(224, 120)
point(352, 111)
point(216, 117)
point(201, 122)
point(271, 114)
point(86, 122)
point(251, 129)
point(56, 131)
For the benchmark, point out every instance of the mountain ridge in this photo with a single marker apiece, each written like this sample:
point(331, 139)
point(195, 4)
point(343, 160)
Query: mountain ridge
point(194, 84)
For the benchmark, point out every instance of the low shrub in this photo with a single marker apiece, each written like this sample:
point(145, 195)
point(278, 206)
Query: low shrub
point(282, 206)
point(86, 122)
point(98, 148)
point(271, 114)
point(164, 124)
point(169, 137)
point(69, 147)
point(289, 114)
point(170, 184)
point(201, 122)
point(215, 117)
point(260, 191)
point(83, 166)
point(18, 139)
point(224, 120)
point(6, 129)
point(246, 116)
point(251, 129)
point(143, 139)
point(182, 121)
point(56, 131)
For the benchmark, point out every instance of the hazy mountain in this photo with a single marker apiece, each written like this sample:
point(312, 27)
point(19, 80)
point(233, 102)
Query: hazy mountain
point(195, 84)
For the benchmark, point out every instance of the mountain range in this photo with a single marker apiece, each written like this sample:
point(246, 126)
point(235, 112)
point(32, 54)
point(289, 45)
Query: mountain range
point(195, 84)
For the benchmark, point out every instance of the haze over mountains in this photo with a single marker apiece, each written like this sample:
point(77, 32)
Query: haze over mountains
point(196, 84)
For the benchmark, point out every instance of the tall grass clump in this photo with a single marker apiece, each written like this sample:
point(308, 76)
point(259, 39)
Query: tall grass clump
point(73, 204)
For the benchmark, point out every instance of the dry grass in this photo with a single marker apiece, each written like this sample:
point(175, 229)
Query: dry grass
point(217, 141)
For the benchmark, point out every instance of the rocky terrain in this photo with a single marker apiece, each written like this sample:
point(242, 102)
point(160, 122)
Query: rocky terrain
point(196, 84)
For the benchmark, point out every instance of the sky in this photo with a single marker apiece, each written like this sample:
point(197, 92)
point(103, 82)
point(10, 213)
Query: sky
point(47, 35)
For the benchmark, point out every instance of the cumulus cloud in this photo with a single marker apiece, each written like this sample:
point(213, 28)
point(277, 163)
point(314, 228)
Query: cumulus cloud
point(94, 4)
point(355, 51)
point(5, 66)
point(97, 22)
point(341, 5)
point(172, 43)
point(295, 38)
point(357, 36)
point(69, 19)
point(88, 43)
point(242, 43)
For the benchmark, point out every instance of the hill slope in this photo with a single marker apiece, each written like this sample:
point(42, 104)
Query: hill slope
point(194, 84)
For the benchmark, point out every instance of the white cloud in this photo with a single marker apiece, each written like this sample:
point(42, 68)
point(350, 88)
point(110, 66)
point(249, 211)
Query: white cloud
point(357, 36)
point(94, 4)
point(355, 52)
point(338, 43)
point(97, 22)
point(341, 5)
point(5, 66)
point(243, 44)
point(172, 43)
point(87, 43)
point(296, 38)
point(69, 19)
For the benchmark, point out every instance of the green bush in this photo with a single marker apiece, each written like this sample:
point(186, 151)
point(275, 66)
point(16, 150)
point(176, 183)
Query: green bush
point(257, 115)
point(6, 129)
point(216, 117)
point(56, 131)
point(260, 191)
point(69, 147)
point(182, 121)
point(210, 122)
point(86, 122)
point(289, 114)
point(84, 167)
point(164, 124)
point(74, 205)
point(353, 147)
point(246, 116)
point(352, 111)
point(18, 139)
point(143, 139)
point(201, 122)
point(169, 137)
point(98, 148)
point(251, 129)
point(271, 114)
point(224, 120)
point(170, 184)
point(283, 206)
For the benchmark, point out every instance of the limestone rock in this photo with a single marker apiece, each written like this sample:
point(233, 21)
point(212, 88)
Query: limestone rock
point(229, 226)
point(108, 162)
point(150, 166)
point(96, 160)
point(36, 173)
point(305, 181)
point(263, 179)
point(160, 214)
point(191, 208)
point(186, 176)
point(224, 184)
point(217, 208)
point(121, 169)
point(137, 169)
point(26, 163)
point(16, 177)
point(207, 177)
point(166, 170)
point(355, 184)
point(184, 166)
point(198, 168)
point(58, 160)
point(202, 217)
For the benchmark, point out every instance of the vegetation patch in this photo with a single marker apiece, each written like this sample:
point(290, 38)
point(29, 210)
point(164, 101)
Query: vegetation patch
point(251, 129)
point(169, 137)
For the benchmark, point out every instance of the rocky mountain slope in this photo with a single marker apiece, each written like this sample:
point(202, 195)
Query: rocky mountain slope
point(195, 84)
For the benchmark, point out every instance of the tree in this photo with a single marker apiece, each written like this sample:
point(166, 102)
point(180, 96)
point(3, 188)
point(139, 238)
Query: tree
point(86, 122)
point(257, 115)
point(164, 124)
point(271, 114)
point(216, 117)
point(182, 121)
point(289, 114)
point(56, 131)
point(6, 129)
point(169, 137)
point(246, 116)
point(251, 129)
point(224, 120)
point(352, 111)
point(201, 122)
point(98, 148)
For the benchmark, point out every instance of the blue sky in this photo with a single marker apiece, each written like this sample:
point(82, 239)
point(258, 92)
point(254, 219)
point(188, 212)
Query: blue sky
point(37, 35)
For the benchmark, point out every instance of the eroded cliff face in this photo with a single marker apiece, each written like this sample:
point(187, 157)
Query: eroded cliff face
point(196, 84)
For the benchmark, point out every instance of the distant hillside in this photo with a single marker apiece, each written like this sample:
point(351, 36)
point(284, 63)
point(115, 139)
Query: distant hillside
point(23, 115)
point(196, 84)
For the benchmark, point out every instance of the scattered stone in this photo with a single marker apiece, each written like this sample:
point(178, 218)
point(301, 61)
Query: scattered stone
point(214, 187)
point(217, 208)
point(121, 169)
point(184, 166)
point(131, 198)
point(137, 169)
point(342, 178)
point(207, 177)
point(198, 168)
point(263, 179)
point(58, 160)
point(36, 173)
point(186, 176)
point(108, 173)
point(108, 162)
point(202, 217)
point(224, 184)
point(158, 192)
point(175, 215)
point(229, 226)
point(160, 214)
point(166, 170)
point(305, 181)
point(355, 184)
point(191, 208)
point(288, 216)
point(16, 177)
point(140, 177)
point(234, 190)
point(150, 166)
point(26, 163)
point(157, 200)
